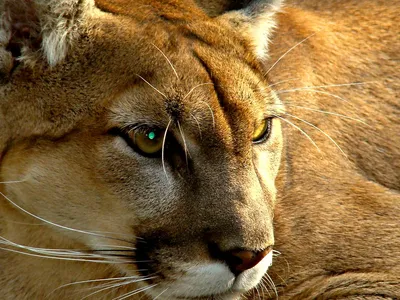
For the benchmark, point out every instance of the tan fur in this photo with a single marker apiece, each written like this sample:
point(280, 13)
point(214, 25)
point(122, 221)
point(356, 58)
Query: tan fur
point(335, 220)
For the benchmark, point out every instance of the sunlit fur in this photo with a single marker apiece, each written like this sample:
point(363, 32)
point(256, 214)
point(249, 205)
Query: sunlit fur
point(81, 211)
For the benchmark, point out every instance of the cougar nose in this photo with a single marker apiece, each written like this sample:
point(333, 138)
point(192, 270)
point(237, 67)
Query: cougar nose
point(242, 260)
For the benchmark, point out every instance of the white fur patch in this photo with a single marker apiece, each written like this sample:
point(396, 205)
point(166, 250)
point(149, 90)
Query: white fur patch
point(213, 279)
point(256, 22)
point(260, 34)
point(60, 24)
point(250, 278)
point(62, 20)
point(262, 23)
point(201, 280)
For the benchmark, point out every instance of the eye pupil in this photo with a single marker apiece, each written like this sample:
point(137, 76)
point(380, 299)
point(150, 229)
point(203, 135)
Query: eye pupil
point(262, 132)
point(151, 135)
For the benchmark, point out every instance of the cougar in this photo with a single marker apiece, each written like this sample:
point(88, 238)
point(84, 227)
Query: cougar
point(199, 149)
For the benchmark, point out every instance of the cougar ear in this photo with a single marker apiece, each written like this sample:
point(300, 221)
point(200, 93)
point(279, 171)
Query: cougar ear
point(34, 29)
point(256, 21)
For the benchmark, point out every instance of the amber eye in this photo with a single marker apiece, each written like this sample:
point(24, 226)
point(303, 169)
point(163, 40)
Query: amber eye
point(262, 131)
point(146, 140)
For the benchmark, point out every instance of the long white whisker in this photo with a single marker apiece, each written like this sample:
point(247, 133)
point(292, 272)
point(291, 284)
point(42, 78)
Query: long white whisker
point(54, 224)
point(199, 85)
point(184, 142)
point(120, 284)
point(97, 280)
point(51, 252)
point(272, 285)
point(140, 290)
point(63, 258)
point(170, 63)
point(12, 181)
point(152, 86)
point(264, 286)
point(313, 91)
point(287, 52)
point(116, 233)
point(323, 132)
point(46, 251)
point(301, 130)
point(282, 81)
point(258, 293)
point(198, 124)
point(117, 246)
point(326, 112)
point(163, 148)
point(161, 293)
point(212, 113)
point(336, 85)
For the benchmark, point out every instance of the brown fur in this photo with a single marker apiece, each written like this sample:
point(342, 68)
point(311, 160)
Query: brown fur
point(335, 219)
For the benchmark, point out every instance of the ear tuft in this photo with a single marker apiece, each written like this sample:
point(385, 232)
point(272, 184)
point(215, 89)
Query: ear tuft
point(31, 29)
point(62, 20)
point(257, 22)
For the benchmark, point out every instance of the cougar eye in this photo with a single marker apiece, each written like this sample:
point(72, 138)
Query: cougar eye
point(262, 131)
point(146, 140)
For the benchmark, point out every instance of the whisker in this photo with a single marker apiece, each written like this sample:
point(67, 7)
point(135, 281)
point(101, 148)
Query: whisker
point(314, 91)
point(112, 250)
point(170, 63)
point(97, 280)
point(338, 85)
point(198, 124)
point(264, 286)
point(58, 225)
point(287, 52)
point(116, 233)
point(63, 258)
point(323, 132)
point(276, 252)
point(197, 86)
point(140, 290)
point(212, 113)
point(117, 246)
point(301, 130)
point(161, 293)
point(269, 279)
point(163, 149)
point(12, 181)
point(325, 112)
point(283, 81)
point(117, 285)
point(62, 253)
point(287, 264)
point(152, 86)
point(283, 281)
point(258, 293)
point(184, 143)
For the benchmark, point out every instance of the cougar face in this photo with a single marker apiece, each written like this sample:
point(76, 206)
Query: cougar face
point(180, 159)
point(210, 186)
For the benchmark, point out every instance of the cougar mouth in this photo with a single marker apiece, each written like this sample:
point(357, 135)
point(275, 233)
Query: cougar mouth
point(213, 280)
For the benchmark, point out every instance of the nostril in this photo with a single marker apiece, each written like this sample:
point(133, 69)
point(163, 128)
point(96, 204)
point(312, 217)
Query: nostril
point(242, 260)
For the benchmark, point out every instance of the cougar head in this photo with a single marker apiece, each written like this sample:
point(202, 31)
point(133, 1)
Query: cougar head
point(150, 120)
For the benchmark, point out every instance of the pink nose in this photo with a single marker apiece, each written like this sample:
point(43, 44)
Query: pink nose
point(242, 260)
